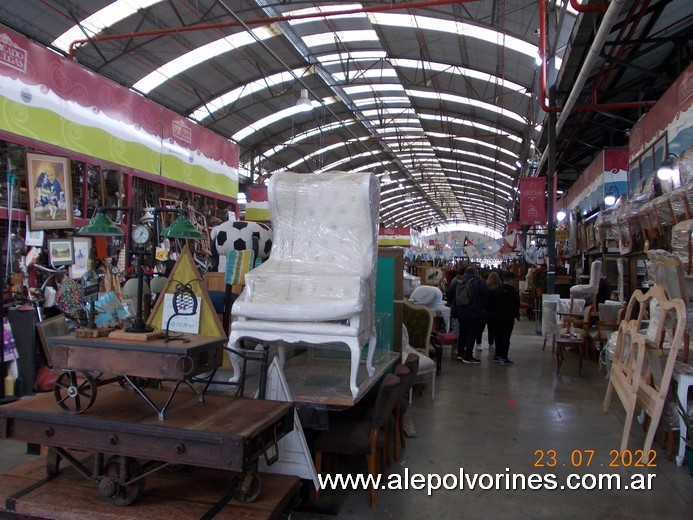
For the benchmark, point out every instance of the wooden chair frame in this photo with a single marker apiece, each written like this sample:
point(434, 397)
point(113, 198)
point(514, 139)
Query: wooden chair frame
point(638, 375)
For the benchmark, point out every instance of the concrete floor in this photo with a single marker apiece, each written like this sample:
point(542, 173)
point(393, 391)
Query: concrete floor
point(495, 420)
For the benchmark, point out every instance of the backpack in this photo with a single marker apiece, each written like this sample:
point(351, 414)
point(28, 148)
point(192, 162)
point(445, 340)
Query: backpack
point(464, 293)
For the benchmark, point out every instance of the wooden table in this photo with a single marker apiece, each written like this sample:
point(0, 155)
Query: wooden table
point(131, 361)
point(222, 432)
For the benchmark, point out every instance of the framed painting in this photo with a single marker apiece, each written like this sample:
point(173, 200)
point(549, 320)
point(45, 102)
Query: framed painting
point(61, 251)
point(49, 184)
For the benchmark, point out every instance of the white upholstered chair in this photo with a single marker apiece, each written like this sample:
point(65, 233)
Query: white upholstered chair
point(589, 290)
point(318, 286)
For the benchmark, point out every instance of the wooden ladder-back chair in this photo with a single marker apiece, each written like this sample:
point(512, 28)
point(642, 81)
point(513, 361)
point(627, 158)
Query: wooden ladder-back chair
point(362, 437)
point(642, 369)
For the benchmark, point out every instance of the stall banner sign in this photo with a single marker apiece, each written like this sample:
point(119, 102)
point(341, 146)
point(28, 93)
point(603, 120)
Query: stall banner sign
point(394, 236)
point(615, 171)
point(533, 201)
point(257, 205)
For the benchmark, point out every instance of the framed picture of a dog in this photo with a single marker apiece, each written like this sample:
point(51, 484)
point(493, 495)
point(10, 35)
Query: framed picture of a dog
point(49, 184)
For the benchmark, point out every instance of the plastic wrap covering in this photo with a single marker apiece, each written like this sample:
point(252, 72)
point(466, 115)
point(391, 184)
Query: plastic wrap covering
point(323, 256)
point(605, 225)
point(318, 285)
point(410, 283)
point(609, 311)
point(665, 213)
point(664, 268)
point(682, 243)
point(646, 190)
point(647, 216)
point(607, 354)
point(549, 318)
point(679, 203)
point(686, 166)
point(429, 296)
point(432, 297)
point(628, 225)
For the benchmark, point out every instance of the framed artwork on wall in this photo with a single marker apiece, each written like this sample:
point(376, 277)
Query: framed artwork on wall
point(61, 251)
point(49, 184)
point(82, 248)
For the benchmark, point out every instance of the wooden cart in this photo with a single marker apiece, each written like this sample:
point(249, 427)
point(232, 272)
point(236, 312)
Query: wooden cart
point(127, 442)
point(133, 363)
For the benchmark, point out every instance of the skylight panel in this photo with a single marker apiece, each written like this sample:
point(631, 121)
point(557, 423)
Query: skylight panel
point(459, 71)
point(473, 124)
point(253, 87)
point(200, 55)
point(95, 24)
point(353, 56)
point(326, 10)
point(467, 101)
point(328, 38)
point(389, 100)
point(454, 27)
point(375, 87)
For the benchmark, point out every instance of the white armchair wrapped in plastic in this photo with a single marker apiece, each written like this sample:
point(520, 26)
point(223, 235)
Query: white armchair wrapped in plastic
point(318, 286)
point(589, 291)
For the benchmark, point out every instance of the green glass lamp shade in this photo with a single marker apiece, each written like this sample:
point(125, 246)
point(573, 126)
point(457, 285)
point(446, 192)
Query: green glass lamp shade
point(181, 228)
point(100, 226)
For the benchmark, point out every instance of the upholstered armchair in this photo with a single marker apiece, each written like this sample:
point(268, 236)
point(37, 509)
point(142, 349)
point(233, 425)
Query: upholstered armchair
point(589, 290)
point(432, 297)
point(318, 286)
point(417, 323)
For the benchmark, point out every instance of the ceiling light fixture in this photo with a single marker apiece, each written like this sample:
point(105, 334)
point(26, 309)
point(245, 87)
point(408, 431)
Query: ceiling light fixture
point(304, 104)
point(560, 215)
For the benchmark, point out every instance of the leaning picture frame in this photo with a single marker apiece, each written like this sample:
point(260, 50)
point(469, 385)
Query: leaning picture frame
point(49, 184)
point(61, 251)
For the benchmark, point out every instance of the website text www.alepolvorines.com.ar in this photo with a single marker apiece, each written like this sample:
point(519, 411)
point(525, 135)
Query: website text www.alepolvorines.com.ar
point(506, 481)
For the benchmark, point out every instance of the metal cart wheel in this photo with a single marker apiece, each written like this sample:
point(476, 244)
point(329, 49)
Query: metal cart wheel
point(75, 393)
point(245, 487)
point(122, 482)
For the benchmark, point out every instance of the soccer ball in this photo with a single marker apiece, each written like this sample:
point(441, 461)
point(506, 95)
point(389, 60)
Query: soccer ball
point(238, 235)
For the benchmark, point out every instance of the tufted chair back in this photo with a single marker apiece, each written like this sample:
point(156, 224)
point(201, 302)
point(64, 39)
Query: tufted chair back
point(326, 221)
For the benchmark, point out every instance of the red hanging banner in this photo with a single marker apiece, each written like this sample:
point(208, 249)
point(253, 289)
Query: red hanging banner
point(533, 201)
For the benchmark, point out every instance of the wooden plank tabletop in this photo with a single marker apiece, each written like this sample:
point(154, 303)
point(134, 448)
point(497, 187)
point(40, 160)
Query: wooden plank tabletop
point(325, 381)
point(196, 343)
point(120, 409)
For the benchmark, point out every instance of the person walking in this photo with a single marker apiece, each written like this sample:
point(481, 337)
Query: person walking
point(493, 281)
point(505, 308)
point(468, 296)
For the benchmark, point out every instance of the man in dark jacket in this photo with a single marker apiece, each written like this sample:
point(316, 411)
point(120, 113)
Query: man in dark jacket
point(469, 316)
point(505, 309)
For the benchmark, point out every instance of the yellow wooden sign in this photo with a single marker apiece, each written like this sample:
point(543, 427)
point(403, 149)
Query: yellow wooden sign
point(185, 272)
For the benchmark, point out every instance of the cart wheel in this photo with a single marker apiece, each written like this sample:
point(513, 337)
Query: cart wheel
point(245, 487)
point(141, 382)
point(117, 483)
point(53, 459)
point(73, 393)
